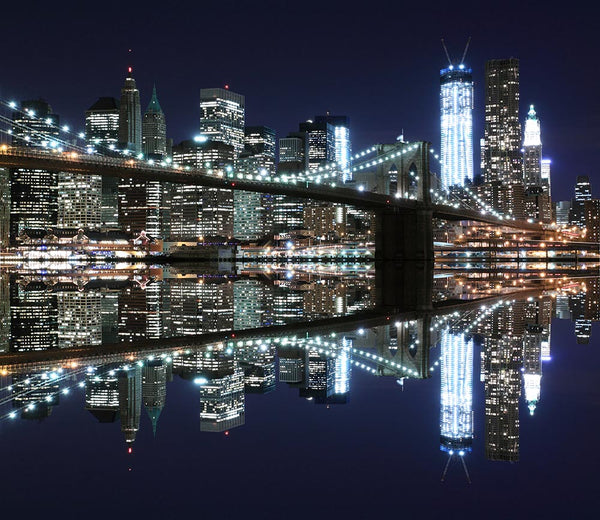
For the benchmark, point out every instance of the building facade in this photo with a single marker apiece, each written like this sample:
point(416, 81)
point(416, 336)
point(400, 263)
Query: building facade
point(456, 120)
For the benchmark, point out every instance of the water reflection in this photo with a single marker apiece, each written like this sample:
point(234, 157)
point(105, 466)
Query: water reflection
point(510, 332)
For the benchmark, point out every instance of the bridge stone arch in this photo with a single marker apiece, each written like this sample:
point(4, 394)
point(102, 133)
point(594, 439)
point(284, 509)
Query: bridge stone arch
point(399, 167)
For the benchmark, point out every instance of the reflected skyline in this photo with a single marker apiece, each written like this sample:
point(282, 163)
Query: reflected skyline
point(511, 334)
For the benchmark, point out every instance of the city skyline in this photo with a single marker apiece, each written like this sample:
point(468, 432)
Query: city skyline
point(373, 117)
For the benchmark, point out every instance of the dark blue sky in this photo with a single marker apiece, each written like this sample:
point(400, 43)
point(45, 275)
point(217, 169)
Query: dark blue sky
point(377, 62)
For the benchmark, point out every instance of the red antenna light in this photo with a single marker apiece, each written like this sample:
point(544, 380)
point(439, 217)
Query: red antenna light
point(129, 70)
point(130, 449)
point(226, 87)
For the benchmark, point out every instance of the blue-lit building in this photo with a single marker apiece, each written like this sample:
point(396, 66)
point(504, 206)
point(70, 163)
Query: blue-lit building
point(456, 118)
point(456, 396)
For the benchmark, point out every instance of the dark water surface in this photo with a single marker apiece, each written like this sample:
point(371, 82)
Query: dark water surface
point(457, 409)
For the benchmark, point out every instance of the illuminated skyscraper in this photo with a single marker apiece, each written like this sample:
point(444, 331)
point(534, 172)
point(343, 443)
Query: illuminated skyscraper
point(79, 318)
point(102, 394)
point(252, 212)
point(154, 129)
point(456, 113)
point(502, 365)
point(341, 142)
point(222, 117)
point(198, 211)
point(320, 141)
point(456, 397)
point(102, 133)
point(34, 192)
point(102, 124)
point(532, 365)
point(532, 150)
point(130, 401)
point(154, 389)
point(501, 152)
point(130, 116)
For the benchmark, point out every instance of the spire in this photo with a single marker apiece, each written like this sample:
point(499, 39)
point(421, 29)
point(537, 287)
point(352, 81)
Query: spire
point(129, 69)
point(531, 114)
point(154, 105)
point(154, 413)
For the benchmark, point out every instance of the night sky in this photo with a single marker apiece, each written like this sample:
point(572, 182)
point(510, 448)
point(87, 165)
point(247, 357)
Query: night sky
point(376, 62)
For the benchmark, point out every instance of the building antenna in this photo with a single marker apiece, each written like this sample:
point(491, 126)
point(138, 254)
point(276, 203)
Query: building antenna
point(462, 60)
point(446, 51)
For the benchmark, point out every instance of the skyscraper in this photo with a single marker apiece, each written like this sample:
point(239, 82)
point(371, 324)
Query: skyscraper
point(456, 118)
point(583, 192)
point(33, 192)
point(532, 150)
point(222, 117)
point(102, 124)
point(154, 129)
point(320, 142)
point(130, 116)
point(252, 218)
point(130, 401)
point(102, 134)
point(501, 152)
point(197, 211)
point(456, 397)
point(341, 142)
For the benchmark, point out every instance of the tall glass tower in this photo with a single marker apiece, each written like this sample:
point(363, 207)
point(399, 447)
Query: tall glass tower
point(456, 118)
point(456, 397)
point(130, 116)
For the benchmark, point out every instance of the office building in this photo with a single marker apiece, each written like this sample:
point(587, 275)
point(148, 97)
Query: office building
point(320, 142)
point(198, 212)
point(102, 393)
point(456, 396)
point(583, 192)
point(154, 130)
point(562, 210)
point(591, 212)
point(532, 150)
point(342, 154)
point(130, 401)
point(252, 212)
point(130, 117)
point(79, 201)
point(222, 402)
point(222, 117)
point(154, 389)
point(501, 152)
point(33, 192)
point(456, 118)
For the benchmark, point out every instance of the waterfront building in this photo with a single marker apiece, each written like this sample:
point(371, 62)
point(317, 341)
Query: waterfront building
point(222, 117)
point(154, 130)
point(130, 116)
point(456, 118)
point(501, 151)
point(546, 180)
